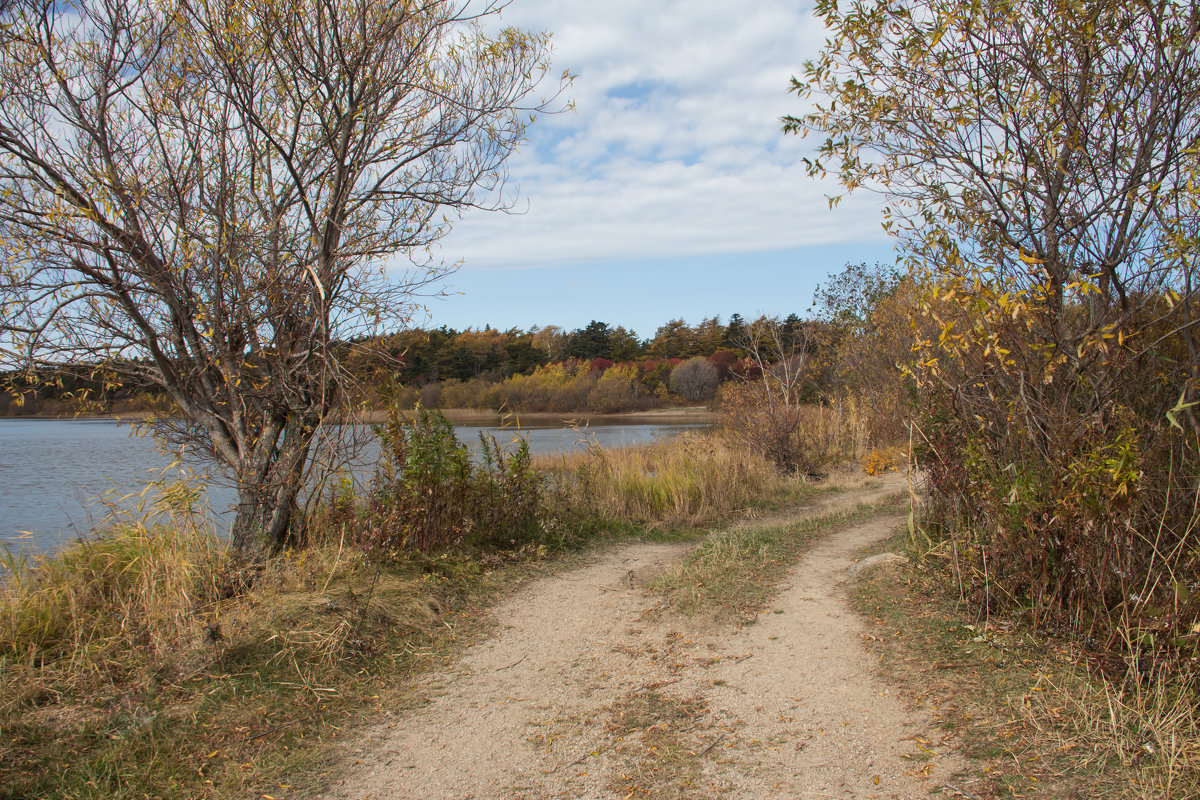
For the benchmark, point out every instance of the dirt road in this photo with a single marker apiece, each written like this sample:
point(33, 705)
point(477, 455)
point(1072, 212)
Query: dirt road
point(585, 692)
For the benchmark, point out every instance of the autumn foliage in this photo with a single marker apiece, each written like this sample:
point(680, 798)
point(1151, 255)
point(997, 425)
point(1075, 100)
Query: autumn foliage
point(1038, 162)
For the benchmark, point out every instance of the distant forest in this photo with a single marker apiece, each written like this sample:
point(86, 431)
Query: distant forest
point(598, 367)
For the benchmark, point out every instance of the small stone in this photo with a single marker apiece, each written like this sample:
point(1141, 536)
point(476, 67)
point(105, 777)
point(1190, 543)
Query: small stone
point(876, 561)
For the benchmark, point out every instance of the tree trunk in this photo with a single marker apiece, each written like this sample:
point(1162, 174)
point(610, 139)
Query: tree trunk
point(268, 488)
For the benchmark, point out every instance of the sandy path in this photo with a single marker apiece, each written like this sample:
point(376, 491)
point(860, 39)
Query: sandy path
point(581, 693)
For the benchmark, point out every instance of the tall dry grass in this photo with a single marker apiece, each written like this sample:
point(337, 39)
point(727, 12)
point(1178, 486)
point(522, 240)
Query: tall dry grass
point(1145, 725)
point(124, 594)
point(683, 481)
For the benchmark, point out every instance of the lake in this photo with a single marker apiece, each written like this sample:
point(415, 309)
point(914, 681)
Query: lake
point(54, 474)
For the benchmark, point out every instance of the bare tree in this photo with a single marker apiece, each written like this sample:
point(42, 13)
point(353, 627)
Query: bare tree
point(786, 367)
point(695, 380)
point(767, 411)
point(207, 195)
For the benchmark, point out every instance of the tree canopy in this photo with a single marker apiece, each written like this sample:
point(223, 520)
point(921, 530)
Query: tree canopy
point(205, 195)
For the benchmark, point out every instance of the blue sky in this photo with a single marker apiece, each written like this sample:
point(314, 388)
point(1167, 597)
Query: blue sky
point(670, 191)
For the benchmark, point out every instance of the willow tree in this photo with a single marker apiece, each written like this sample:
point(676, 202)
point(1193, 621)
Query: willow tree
point(1039, 161)
point(207, 195)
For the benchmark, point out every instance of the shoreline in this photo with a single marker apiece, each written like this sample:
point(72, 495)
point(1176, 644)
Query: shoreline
point(672, 415)
point(680, 415)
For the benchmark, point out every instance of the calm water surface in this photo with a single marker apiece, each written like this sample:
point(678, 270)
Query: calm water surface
point(55, 474)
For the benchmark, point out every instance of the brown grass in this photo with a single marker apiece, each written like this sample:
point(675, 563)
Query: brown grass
point(1027, 707)
point(688, 480)
point(1146, 727)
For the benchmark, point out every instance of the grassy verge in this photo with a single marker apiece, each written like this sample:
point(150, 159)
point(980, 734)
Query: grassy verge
point(246, 699)
point(146, 663)
point(1027, 708)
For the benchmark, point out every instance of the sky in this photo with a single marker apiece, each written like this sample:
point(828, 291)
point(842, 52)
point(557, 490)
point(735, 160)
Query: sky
point(670, 191)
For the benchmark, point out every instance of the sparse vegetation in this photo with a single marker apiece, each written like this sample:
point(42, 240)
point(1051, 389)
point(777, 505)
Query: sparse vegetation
point(732, 573)
point(656, 739)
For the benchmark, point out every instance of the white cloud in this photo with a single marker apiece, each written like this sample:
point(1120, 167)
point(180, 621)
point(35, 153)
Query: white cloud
point(675, 147)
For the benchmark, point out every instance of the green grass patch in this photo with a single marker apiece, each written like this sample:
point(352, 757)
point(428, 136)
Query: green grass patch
point(734, 572)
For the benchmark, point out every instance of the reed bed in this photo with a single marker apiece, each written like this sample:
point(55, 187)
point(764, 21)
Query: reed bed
point(684, 481)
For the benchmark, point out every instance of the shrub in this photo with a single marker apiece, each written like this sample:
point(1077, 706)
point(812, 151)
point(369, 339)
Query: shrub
point(655, 377)
point(617, 390)
point(878, 461)
point(554, 387)
point(477, 393)
point(431, 395)
point(1063, 479)
point(695, 380)
point(430, 494)
point(796, 438)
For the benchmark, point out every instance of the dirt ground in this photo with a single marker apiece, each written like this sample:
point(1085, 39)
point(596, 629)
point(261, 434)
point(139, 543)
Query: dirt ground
point(589, 690)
